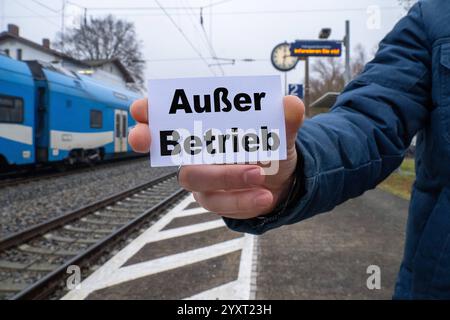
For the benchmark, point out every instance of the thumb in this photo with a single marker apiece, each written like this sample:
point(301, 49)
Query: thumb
point(294, 113)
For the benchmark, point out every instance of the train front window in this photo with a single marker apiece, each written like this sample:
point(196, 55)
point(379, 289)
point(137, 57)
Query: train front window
point(11, 109)
point(96, 119)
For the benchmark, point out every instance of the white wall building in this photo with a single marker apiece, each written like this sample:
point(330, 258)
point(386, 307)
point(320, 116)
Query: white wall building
point(111, 71)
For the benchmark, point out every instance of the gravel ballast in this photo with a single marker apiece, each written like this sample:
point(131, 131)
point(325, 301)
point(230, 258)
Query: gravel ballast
point(28, 204)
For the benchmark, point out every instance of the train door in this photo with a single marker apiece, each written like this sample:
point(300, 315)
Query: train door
point(120, 131)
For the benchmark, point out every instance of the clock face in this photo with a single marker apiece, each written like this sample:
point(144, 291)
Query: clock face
point(282, 59)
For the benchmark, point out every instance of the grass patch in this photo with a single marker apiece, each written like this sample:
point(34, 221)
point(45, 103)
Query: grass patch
point(400, 182)
point(316, 111)
point(408, 166)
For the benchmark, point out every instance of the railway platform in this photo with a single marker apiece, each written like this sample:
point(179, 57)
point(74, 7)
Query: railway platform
point(190, 254)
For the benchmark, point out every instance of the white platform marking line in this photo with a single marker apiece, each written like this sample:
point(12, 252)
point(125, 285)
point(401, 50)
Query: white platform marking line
point(111, 273)
point(164, 221)
point(191, 212)
point(183, 231)
point(136, 271)
point(254, 276)
point(245, 270)
point(178, 212)
point(112, 265)
point(178, 260)
point(224, 292)
point(241, 289)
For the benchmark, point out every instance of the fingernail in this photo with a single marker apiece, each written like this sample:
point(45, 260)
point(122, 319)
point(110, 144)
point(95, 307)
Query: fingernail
point(253, 177)
point(263, 200)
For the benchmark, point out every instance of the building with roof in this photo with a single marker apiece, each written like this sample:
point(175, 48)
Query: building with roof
point(110, 71)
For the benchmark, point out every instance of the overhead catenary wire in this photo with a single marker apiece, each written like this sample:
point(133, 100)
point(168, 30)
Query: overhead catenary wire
point(219, 62)
point(204, 36)
point(46, 7)
point(2, 15)
point(217, 13)
point(275, 12)
point(190, 13)
point(213, 4)
point(185, 37)
point(234, 60)
point(194, 24)
point(188, 10)
point(156, 8)
point(209, 40)
point(36, 13)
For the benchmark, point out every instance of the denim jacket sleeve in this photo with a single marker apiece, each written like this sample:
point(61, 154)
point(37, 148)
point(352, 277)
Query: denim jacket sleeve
point(363, 138)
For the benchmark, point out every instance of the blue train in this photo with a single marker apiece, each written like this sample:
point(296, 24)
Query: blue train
point(49, 115)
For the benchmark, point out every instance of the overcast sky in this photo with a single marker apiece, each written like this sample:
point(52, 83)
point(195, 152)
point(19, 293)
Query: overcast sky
point(237, 28)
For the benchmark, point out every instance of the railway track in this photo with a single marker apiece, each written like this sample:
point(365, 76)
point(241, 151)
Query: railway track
point(45, 173)
point(34, 262)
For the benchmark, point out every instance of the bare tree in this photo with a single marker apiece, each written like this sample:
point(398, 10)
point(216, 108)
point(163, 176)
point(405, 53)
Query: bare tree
point(327, 76)
point(103, 39)
point(328, 73)
point(359, 60)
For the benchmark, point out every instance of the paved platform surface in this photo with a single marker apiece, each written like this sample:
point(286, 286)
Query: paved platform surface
point(327, 256)
point(190, 254)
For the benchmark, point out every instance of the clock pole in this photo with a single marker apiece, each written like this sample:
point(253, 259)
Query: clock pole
point(307, 87)
point(348, 74)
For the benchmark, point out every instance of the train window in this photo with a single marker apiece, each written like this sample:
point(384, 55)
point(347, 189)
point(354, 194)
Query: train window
point(7, 52)
point(96, 119)
point(11, 109)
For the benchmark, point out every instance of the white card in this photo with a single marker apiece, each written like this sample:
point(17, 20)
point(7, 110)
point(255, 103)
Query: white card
point(221, 120)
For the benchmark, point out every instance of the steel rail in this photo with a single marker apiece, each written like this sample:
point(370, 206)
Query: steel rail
point(23, 236)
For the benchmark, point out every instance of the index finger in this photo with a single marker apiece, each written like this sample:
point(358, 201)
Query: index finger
point(139, 110)
point(202, 178)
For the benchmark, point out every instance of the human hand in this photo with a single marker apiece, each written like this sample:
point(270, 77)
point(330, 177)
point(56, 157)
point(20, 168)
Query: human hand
point(233, 191)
